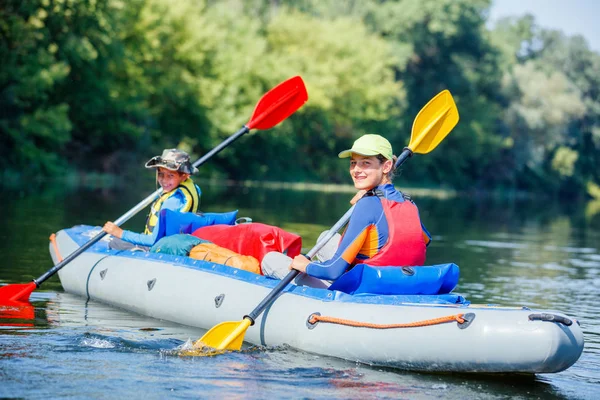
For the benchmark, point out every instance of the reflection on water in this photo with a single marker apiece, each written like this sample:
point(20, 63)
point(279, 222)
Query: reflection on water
point(510, 253)
point(16, 313)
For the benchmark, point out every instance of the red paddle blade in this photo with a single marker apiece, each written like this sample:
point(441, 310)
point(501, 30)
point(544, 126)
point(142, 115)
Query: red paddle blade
point(278, 104)
point(17, 291)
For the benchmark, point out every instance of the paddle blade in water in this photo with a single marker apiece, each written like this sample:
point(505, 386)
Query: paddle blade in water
point(16, 310)
point(278, 104)
point(17, 291)
point(199, 350)
point(226, 335)
point(433, 123)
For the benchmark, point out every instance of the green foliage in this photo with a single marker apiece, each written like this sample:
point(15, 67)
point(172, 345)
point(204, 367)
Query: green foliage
point(552, 86)
point(100, 85)
point(542, 106)
point(445, 45)
point(350, 82)
point(351, 89)
point(564, 161)
point(34, 123)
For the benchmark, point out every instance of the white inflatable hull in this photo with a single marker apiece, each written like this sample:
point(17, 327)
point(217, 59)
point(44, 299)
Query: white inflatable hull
point(202, 294)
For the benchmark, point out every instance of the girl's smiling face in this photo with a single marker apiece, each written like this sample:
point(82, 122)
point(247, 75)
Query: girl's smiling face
point(368, 172)
point(168, 179)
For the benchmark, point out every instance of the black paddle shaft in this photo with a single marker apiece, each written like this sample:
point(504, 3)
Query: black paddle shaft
point(271, 296)
point(221, 146)
point(70, 258)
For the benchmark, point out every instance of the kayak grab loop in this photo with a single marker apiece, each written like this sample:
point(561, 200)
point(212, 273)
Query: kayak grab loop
point(551, 318)
point(55, 246)
point(317, 317)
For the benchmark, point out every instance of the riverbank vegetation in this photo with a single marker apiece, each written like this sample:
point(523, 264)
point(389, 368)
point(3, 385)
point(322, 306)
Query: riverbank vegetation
point(101, 85)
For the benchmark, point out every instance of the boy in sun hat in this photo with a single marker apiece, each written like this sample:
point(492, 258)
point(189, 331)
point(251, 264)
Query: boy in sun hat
point(173, 170)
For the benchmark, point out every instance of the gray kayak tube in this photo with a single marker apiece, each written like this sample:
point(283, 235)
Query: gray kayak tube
point(445, 332)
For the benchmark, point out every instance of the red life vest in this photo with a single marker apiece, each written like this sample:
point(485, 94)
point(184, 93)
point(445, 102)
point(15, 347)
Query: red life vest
point(406, 241)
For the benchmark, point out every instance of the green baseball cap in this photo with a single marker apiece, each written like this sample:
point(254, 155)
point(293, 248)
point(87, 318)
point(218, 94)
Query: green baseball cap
point(370, 145)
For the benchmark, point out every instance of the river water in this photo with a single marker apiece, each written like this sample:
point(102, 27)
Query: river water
point(511, 252)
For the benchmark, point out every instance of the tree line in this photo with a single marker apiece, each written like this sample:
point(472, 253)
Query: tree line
point(102, 85)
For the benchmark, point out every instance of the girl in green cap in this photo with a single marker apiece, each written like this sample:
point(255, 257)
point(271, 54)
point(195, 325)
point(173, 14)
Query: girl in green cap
point(384, 229)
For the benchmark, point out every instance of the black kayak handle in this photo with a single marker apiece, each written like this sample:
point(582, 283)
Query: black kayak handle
point(551, 318)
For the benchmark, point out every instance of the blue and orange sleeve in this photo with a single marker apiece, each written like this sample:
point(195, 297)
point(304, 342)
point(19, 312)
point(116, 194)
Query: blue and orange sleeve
point(357, 233)
point(426, 235)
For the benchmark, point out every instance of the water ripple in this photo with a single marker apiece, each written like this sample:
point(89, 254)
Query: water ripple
point(496, 245)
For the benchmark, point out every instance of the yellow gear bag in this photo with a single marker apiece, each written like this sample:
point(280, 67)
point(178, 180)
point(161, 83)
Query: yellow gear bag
point(220, 255)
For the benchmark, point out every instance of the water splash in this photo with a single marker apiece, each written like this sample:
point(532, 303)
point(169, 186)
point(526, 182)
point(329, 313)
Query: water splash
point(97, 343)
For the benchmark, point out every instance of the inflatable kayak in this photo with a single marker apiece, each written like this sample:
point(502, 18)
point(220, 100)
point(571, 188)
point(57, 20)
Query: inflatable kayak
point(442, 332)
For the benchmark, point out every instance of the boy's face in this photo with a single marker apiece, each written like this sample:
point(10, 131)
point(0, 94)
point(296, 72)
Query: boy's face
point(168, 179)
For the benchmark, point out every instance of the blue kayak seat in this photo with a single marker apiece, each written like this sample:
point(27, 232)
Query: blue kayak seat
point(429, 280)
point(173, 222)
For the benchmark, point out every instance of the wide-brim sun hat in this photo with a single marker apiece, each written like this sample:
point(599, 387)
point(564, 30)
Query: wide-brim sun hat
point(370, 145)
point(173, 160)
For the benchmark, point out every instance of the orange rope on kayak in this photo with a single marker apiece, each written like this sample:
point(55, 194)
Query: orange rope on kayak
point(53, 241)
point(320, 318)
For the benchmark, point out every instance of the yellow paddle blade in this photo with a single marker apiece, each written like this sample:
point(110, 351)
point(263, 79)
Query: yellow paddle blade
point(433, 123)
point(225, 336)
point(200, 351)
